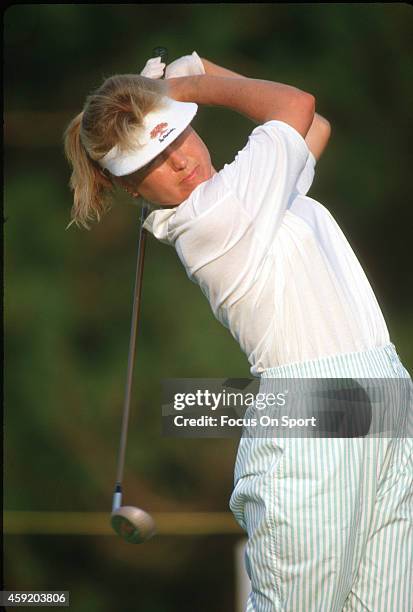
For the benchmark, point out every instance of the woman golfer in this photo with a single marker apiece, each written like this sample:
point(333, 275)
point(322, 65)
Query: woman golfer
point(329, 519)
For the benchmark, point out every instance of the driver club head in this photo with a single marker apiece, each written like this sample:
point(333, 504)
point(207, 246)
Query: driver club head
point(133, 524)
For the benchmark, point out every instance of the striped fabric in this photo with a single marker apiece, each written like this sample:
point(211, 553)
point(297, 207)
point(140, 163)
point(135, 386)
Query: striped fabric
point(329, 520)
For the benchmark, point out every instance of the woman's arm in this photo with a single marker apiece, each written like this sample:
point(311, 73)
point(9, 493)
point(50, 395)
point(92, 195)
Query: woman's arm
point(318, 135)
point(257, 99)
point(320, 130)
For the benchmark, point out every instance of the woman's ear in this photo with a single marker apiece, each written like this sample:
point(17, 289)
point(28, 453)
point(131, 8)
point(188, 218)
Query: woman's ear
point(103, 177)
point(104, 173)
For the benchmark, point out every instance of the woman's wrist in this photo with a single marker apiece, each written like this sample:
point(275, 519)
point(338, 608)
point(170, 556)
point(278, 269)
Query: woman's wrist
point(215, 70)
point(183, 89)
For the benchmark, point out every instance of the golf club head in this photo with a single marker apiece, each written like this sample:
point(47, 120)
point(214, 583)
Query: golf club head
point(133, 524)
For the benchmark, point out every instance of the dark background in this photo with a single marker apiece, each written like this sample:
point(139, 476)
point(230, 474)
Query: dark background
point(68, 294)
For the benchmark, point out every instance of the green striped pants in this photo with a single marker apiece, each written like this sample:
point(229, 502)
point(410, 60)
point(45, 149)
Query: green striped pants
point(329, 520)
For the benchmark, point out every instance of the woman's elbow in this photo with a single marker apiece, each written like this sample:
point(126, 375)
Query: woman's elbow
point(308, 101)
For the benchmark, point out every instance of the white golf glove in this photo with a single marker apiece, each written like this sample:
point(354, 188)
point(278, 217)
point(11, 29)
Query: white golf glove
point(154, 68)
point(187, 65)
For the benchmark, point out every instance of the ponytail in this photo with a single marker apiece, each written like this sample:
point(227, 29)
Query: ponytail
point(110, 115)
point(89, 185)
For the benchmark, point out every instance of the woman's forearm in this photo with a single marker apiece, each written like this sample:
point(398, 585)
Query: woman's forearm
point(257, 99)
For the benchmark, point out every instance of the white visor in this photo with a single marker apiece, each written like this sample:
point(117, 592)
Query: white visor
point(160, 128)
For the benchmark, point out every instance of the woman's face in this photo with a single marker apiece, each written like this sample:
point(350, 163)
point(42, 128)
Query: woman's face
point(172, 176)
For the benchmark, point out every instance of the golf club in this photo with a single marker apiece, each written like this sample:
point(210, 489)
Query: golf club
point(133, 524)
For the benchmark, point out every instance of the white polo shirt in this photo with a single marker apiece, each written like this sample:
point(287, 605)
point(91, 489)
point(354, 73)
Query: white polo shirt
point(276, 268)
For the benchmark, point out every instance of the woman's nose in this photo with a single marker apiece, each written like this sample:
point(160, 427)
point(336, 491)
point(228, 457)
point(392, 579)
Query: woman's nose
point(177, 160)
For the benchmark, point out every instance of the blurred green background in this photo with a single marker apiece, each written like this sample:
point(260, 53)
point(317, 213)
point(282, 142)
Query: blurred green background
point(68, 294)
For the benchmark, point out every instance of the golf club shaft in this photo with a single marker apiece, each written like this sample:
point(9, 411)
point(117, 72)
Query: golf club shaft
point(117, 497)
point(132, 352)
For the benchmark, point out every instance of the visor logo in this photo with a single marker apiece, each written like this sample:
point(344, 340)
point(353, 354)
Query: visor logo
point(158, 129)
point(165, 135)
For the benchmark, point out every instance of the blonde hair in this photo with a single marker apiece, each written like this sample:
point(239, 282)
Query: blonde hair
point(110, 114)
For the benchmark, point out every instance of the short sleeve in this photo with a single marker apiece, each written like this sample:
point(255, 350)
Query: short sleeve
point(264, 174)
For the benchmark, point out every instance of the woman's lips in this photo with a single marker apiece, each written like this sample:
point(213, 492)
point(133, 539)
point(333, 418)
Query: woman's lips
point(191, 176)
